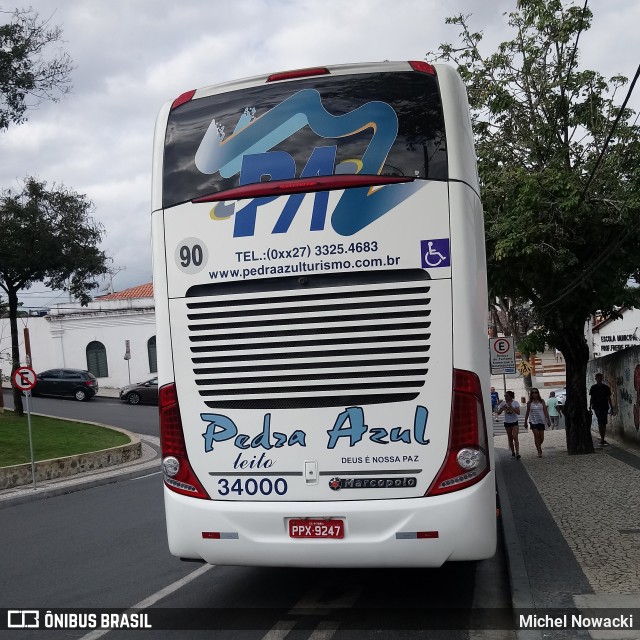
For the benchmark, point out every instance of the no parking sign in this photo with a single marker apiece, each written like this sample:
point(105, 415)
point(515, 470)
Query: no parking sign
point(503, 355)
point(24, 378)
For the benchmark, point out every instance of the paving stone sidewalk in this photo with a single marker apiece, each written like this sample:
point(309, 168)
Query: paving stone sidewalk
point(577, 519)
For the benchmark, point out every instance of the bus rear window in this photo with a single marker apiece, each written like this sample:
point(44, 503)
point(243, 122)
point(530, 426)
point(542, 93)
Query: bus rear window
point(388, 124)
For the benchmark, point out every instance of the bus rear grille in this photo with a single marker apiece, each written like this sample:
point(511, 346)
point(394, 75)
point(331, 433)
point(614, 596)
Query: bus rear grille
point(313, 341)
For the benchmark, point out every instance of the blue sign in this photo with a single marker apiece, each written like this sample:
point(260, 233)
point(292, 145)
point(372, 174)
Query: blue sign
point(435, 254)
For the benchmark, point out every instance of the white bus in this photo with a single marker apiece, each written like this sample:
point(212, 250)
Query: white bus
point(320, 285)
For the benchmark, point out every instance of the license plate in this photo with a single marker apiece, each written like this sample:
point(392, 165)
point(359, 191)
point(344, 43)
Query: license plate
point(316, 529)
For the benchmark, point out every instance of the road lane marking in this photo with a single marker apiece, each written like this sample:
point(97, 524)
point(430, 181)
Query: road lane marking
point(280, 630)
point(155, 473)
point(324, 631)
point(157, 596)
point(317, 598)
point(316, 601)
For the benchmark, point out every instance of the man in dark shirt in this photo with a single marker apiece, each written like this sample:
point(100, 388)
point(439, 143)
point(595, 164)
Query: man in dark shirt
point(600, 403)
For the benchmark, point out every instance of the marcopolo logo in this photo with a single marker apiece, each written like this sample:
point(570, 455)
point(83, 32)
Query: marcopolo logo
point(372, 483)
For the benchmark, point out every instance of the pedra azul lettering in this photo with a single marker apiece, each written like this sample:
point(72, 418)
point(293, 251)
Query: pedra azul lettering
point(349, 427)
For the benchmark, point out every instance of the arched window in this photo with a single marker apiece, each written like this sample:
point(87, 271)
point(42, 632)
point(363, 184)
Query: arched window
point(151, 350)
point(97, 359)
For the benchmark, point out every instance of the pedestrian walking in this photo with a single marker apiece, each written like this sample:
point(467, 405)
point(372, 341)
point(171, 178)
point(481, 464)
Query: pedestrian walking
point(537, 416)
point(511, 408)
point(495, 401)
point(553, 410)
point(600, 404)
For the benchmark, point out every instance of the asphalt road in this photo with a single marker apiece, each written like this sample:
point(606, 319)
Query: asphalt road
point(139, 419)
point(105, 547)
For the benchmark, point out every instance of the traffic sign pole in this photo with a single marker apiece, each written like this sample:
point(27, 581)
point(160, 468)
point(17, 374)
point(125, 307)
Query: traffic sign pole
point(33, 461)
point(24, 378)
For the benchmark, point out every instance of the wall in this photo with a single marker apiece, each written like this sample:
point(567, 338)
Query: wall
point(60, 340)
point(619, 334)
point(621, 371)
point(39, 337)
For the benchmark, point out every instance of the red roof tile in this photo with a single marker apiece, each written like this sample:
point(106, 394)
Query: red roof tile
point(141, 291)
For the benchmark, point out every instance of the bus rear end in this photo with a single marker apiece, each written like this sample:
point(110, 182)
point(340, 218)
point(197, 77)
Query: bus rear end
point(320, 294)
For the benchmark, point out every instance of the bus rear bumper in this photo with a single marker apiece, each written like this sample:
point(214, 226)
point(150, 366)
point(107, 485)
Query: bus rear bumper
point(378, 533)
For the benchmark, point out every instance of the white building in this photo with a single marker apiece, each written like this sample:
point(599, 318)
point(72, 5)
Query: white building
point(97, 337)
point(614, 335)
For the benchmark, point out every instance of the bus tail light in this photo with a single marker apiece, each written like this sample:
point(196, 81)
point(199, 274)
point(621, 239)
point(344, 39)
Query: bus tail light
point(182, 98)
point(423, 67)
point(467, 460)
point(176, 469)
point(298, 73)
point(303, 185)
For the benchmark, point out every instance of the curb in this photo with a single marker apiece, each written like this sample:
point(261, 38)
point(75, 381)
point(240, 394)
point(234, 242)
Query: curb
point(20, 475)
point(521, 595)
point(150, 461)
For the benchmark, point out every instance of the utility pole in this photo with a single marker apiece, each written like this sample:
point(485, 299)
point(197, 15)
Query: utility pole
point(27, 348)
point(112, 272)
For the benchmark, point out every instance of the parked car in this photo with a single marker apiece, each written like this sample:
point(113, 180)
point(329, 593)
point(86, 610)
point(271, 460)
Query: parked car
point(141, 392)
point(561, 394)
point(77, 383)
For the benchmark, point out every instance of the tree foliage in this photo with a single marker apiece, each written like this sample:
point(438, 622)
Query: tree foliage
point(48, 236)
point(559, 180)
point(30, 72)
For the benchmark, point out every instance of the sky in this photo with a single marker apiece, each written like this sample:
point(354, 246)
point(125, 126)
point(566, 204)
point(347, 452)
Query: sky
point(131, 56)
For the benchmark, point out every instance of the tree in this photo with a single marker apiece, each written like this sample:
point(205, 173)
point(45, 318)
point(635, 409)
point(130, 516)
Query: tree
point(559, 164)
point(47, 236)
point(517, 318)
point(27, 75)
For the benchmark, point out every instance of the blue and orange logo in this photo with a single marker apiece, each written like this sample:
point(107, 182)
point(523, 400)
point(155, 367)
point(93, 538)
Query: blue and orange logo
point(248, 152)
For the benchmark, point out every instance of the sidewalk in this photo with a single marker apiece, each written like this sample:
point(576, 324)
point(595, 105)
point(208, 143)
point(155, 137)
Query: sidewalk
point(572, 530)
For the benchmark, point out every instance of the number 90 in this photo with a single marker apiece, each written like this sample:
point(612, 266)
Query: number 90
point(191, 255)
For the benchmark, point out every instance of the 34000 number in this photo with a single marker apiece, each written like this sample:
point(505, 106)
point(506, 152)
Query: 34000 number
point(252, 487)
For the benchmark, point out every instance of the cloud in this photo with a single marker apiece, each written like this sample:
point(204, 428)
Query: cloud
point(131, 57)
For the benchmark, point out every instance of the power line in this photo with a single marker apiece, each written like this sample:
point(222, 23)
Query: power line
point(604, 255)
point(594, 265)
point(613, 128)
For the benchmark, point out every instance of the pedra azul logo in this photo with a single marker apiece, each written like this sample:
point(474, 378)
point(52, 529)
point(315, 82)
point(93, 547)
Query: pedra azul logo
point(349, 427)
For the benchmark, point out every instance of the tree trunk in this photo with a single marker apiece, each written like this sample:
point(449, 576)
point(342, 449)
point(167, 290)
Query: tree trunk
point(12, 294)
point(577, 416)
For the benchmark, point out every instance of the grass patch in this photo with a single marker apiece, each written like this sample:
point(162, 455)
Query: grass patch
point(52, 438)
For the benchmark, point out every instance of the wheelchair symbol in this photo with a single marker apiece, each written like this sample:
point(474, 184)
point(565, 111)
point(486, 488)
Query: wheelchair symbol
point(435, 253)
point(433, 257)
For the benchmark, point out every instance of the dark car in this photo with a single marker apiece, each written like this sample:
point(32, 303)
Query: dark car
point(142, 392)
point(75, 383)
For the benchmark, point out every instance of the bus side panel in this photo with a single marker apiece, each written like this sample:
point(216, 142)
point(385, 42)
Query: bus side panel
point(158, 157)
point(160, 285)
point(163, 328)
point(462, 163)
point(470, 294)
